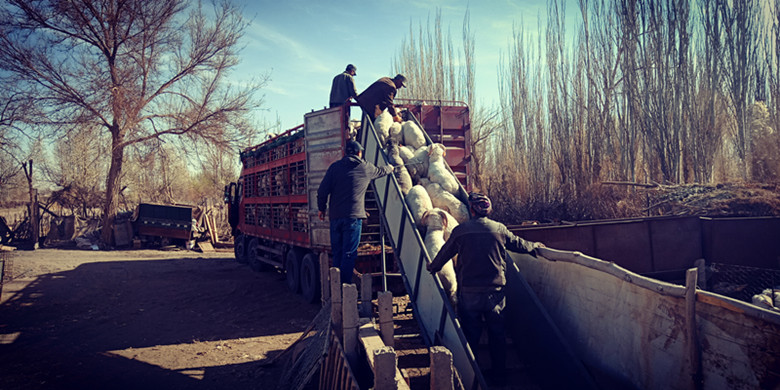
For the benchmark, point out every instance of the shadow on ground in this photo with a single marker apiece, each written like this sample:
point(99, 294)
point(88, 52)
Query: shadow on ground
point(86, 327)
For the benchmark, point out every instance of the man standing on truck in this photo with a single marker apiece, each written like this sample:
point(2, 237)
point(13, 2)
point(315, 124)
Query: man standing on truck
point(481, 245)
point(379, 96)
point(343, 191)
point(343, 87)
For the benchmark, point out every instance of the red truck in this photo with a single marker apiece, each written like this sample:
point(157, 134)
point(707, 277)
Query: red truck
point(273, 206)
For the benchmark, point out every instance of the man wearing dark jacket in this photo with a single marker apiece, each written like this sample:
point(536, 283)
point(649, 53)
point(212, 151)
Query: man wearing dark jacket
point(481, 245)
point(345, 183)
point(343, 87)
point(379, 96)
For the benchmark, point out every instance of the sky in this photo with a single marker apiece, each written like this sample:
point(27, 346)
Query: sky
point(302, 45)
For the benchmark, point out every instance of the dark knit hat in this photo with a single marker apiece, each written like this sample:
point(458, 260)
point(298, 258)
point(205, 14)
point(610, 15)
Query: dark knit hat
point(352, 148)
point(401, 79)
point(480, 204)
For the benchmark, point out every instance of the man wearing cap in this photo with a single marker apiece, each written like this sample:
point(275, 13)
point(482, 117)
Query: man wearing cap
point(379, 96)
point(343, 192)
point(343, 87)
point(481, 245)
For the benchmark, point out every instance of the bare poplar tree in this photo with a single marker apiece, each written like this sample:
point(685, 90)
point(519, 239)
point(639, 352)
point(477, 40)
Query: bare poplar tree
point(429, 60)
point(772, 59)
point(138, 69)
point(707, 124)
point(739, 59)
point(559, 110)
point(515, 137)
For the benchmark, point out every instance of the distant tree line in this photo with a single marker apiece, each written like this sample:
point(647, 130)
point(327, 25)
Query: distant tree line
point(665, 92)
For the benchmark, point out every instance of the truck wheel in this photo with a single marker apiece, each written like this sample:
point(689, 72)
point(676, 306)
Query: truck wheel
point(253, 257)
point(239, 248)
point(310, 278)
point(292, 267)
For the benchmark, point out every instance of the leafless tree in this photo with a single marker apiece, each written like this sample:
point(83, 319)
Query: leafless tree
point(15, 110)
point(141, 70)
point(439, 72)
point(740, 50)
point(157, 172)
point(765, 162)
point(772, 60)
point(78, 168)
point(427, 58)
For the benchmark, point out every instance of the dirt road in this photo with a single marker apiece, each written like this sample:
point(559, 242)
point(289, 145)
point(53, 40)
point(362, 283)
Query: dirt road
point(143, 320)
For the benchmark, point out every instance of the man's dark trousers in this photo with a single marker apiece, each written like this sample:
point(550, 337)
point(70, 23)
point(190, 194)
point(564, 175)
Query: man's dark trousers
point(472, 307)
point(344, 241)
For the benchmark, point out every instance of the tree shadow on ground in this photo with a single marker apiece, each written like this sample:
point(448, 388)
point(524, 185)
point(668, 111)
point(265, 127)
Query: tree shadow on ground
point(79, 328)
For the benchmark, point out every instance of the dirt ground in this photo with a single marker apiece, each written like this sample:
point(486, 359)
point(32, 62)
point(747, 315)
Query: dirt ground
point(72, 319)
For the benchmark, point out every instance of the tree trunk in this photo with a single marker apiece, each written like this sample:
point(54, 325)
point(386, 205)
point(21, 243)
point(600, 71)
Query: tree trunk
point(32, 208)
point(112, 186)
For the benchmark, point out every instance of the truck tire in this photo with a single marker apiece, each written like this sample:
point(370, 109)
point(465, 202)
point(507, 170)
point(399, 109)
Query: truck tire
point(310, 278)
point(239, 249)
point(292, 268)
point(253, 256)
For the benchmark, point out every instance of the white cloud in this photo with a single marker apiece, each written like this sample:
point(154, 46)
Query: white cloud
point(265, 38)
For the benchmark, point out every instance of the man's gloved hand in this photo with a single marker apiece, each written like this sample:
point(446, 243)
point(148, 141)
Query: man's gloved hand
point(428, 267)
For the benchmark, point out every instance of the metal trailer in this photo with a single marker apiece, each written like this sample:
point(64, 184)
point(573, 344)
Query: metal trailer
point(161, 220)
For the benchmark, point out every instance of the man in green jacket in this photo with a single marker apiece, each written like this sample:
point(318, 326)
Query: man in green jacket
point(481, 245)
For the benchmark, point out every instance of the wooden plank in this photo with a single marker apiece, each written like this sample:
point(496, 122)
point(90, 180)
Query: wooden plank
point(206, 247)
point(692, 339)
point(371, 341)
point(719, 303)
point(212, 227)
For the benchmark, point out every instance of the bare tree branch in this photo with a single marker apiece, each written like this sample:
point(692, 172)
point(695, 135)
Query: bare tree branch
point(140, 69)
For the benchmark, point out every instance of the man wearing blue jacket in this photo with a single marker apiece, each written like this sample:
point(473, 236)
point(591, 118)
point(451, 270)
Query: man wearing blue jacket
point(343, 193)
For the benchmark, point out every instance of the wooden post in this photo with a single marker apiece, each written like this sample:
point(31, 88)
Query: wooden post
point(694, 355)
point(442, 377)
point(365, 295)
point(385, 309)
point(324, 278)
point(335, 299)
point(351, 318)
point(701, 266)
point(32, 208)
point(385, 363)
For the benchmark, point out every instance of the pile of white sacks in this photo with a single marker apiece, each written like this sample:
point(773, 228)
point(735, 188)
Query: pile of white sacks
point(428, 185)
